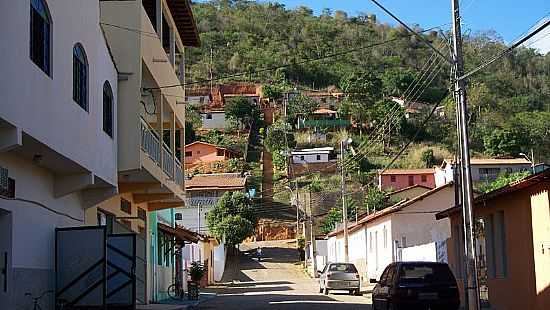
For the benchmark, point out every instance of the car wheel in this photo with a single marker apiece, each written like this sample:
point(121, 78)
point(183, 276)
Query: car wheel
point(352, 292)
point(358, 292)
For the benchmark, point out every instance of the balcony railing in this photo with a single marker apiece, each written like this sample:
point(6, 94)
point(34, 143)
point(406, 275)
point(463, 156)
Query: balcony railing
point(151, 145)
point(179, 173)
point(150, 142)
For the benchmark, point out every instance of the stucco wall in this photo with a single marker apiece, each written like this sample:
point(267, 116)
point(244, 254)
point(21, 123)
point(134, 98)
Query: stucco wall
point(402, 181)
point(380, 254)
point(310, 158)
point(33, 228)
point(217, 121)
point(42, 106)
point(202, 153)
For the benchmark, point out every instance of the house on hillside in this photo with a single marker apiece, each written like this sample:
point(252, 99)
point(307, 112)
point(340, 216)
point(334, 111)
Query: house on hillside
point(415, 110)
point(397, 179)
point(395, 233)
point(199, 152)
point(513, 244)
point(483, 169)
point(322, 159)
point(322, 119)
point(202, 193)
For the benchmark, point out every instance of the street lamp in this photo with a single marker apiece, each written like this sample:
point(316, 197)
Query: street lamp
point(343, 146)
point(532, 160)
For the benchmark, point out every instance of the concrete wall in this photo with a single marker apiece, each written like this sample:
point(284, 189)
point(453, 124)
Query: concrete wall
point(216, 122)
point(358, 252)
point(444, 176)
point(402, 181)
point(112, 205)
point(33, 229)
point(380, 247)
point(42, 106)
point(219, 261)
point(190, 217)
point(202, 153)
point(519, 288)
point(310, 158)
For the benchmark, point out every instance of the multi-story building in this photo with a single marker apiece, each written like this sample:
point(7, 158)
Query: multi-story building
point(58, 134)
point(483, 169)
point(147, 40)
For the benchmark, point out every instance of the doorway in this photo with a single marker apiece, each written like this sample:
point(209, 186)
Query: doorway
point(6, 285)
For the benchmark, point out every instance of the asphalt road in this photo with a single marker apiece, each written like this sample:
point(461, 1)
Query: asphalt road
point(277, 282)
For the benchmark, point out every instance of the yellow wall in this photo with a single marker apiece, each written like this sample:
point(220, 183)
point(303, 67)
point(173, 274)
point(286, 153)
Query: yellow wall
point(112, 206)
point(540, 215)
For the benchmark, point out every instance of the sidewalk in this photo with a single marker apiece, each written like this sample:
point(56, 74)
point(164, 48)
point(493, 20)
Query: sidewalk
point(170, 304)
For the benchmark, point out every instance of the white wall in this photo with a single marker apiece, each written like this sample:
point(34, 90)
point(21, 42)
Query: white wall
point(219, 261)
point(217, 121)
point(380, 248)
point(42, 106)
point(310, 158)
point(190, 218)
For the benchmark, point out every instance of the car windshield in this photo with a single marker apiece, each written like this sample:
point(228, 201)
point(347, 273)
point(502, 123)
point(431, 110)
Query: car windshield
point(349, 268)
point(425, 274)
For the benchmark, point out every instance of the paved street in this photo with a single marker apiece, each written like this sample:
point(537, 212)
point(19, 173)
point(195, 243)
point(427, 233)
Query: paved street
point(277, 282)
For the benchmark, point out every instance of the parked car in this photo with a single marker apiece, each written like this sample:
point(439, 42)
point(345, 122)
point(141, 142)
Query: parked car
point(339, 276)
point(416, 285)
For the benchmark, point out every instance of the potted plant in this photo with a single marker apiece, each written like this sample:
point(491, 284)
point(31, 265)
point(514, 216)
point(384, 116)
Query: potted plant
point(196, 272)
point(301, 244)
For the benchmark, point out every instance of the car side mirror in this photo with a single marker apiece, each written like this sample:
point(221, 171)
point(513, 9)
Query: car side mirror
point(373, 281)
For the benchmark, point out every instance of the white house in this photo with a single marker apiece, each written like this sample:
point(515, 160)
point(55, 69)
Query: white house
point(58, 135)
point(312, 156)
point(378, 239)
point(483, 169)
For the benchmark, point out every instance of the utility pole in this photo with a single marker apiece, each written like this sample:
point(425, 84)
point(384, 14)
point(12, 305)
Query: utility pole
point(312, 236)
point(211, 69)
point(471, 289)
point(344, 209)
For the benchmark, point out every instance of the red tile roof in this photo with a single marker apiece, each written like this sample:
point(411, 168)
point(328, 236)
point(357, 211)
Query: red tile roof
point(222, 181)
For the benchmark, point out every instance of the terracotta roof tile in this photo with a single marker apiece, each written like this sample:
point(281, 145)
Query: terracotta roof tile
point(227, 181)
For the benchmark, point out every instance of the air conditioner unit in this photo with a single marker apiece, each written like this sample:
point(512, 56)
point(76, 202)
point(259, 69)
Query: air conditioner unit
point(4, 181)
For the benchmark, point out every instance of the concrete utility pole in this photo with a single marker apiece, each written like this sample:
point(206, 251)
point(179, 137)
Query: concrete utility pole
point(471, 289)
point(312, 235)
point(343, 145)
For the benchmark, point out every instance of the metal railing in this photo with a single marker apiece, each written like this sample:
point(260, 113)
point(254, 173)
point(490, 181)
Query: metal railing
point(179, 173)
point(150, 142)
point(167, 161)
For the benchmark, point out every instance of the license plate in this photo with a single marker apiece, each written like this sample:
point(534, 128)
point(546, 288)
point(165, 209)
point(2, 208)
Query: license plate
point(427, 296)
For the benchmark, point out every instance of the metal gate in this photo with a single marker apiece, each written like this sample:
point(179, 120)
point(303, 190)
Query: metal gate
point(94, 270)
point(121, 266)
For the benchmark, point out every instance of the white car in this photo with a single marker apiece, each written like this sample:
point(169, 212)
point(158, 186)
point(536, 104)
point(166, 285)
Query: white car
point(340, 276)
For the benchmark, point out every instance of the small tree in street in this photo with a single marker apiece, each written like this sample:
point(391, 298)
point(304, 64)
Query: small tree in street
point(232, 218)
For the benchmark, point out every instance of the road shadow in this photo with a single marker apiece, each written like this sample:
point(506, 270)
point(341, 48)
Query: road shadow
point(255, 283)
point(280, 301)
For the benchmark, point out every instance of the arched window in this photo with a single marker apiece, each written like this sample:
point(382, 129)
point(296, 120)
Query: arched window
point(108, 108)
point(40, 35)
point(80, 76)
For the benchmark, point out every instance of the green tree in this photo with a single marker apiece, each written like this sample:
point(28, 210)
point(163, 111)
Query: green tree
point(272, 92)
point(333, 217)
point(190, 135)
point(503, 180)
point(428, 158)
point(301, 105)
point(396, 81)
point(232, 218)
point(241, 109)
point(275, 140)
point(503, 141)
point(375, 199)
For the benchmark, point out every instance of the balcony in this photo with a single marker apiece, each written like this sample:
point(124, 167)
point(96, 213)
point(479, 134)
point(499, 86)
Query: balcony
point(151, 145)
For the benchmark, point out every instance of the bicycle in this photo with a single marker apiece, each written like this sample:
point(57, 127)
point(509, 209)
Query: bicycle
point(175, 291)
point(36, 300)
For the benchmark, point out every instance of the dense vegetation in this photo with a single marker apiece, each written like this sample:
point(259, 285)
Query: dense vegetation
point(509, 102)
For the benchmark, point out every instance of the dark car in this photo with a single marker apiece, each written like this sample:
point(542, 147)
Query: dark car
point(416, 285)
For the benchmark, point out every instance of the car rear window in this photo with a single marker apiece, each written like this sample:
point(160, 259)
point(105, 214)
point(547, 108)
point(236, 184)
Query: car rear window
point(350, 268)
point(425, 274)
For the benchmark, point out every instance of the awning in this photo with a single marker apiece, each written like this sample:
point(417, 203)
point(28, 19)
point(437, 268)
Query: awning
point(180, 233)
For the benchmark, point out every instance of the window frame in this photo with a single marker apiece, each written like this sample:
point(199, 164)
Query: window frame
point(108, 93)
point(188, 153)
point(80, 70)
point(411, 180)
point(40, 7)
point(393, 179)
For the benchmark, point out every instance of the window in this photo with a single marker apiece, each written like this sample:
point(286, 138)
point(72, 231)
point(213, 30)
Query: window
point(80, 76)
point(403, 242)
point(40, 35)
point(302, 157)
point(411, 180)
point(497, 260)
point(142, 214)
point(108, 109)
point(392, 178)
point(178, 216)
point(488, 173)
point(209, 116)
point(10, 192)
point(188, 154)
point(424, 178)
point(318, 157)
point(370, 241)
point(220, 152)
point(125, 206)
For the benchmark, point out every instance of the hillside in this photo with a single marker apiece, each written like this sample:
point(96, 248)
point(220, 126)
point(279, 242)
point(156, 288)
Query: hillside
point(509, 101)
